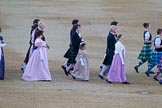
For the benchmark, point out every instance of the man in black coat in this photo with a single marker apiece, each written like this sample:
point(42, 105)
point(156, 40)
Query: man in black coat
point(67, 54)
point(75, 43)
point(112, 23)
point(111, 40)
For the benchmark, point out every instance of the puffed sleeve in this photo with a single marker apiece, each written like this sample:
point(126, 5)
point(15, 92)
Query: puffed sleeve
point(3, 45)
point(119, 48)
point(147, 36)
point(157, 42)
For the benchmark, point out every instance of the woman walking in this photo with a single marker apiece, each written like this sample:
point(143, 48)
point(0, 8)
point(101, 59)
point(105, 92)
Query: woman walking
point(37, 67)
point(2, 62)
point(146, 52)
point(81, 68)
point(117, 69)
point(157, 53)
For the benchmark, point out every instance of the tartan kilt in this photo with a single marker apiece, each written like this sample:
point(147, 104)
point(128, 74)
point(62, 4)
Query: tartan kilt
point(67, 54)
point(155, 57)
point(146, 52)
point(72, 57)
point(159, 66)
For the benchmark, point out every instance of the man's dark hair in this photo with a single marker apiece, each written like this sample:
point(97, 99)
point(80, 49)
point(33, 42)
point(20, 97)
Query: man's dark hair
point(145, 25)
point(159, 31)
point(35, 21)
point(75, 21)
point(114, 23)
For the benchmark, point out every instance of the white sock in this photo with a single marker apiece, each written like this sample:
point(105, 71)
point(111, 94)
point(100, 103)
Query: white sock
point(69, 67)
point(104, 68)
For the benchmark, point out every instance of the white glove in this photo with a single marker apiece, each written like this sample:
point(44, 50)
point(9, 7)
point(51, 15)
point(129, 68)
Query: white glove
point(41, 54)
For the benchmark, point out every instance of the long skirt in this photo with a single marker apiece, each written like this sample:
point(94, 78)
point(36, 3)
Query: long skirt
point(117, 70)
point(2, 66)
point(81, 71)
point(36, 68)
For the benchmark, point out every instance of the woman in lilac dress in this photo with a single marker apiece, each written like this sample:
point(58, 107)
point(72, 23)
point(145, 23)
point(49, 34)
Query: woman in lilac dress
point(81, 68)
point(117, 69)
point(31, 42)
point(37, 67)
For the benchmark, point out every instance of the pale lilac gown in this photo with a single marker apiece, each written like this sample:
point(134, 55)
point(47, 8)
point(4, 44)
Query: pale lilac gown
point(117, 69)
point(81, 68)
point(37, 67)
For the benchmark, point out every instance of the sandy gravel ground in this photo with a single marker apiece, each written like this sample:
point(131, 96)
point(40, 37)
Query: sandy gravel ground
point(95, 15)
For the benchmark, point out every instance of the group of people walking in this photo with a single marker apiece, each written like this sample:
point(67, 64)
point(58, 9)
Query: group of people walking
point(147, 54)
point(76, 64)
point(35, 66)
point(113, 66)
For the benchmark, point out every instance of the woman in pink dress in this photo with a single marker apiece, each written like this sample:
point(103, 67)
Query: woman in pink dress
point(37, 67)
point(117, 69)
point(81, 68)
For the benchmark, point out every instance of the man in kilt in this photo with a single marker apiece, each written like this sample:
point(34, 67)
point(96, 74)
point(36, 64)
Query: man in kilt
point(67, 54)
point(111, 40)
point(146, 52)
point(157, 53)
point(112, 23)
point(75, 43)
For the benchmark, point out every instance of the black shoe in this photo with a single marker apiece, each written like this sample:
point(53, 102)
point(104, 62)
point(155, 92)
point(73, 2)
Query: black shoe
point(136, 69)
point(100, 68)
point(46, 80)
point(155, 78)
point(152, 72)
point(101, 77)
point(73, 77)
point(85, 80)
point(147, 74)
point(64, 68)
point(22, 70)
point(160, 82)
point(125, 82)
point(108, 81)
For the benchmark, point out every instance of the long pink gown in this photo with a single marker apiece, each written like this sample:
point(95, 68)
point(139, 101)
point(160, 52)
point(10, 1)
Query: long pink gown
point(81, 68)
point(37, 67)
point(117, 70)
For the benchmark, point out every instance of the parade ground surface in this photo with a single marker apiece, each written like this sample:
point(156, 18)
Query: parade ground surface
point(16, 18)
